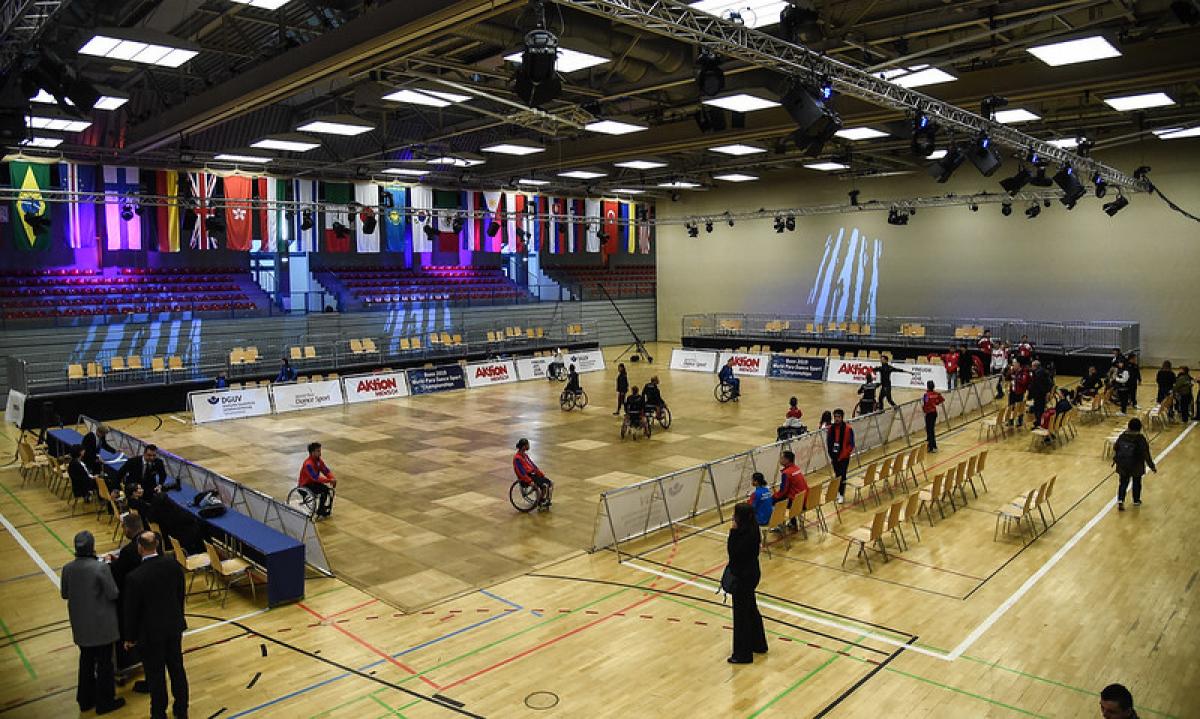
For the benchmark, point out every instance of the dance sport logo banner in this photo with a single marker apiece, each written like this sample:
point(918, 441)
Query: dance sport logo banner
point(693, 360)
point(372, 387)
point(306, 395)
point(439, 379)
point(746, 364)
point(797, 368)
point(915, 375)
point(215, 405)
point(590, 361)
point(534, 367)
point(489, 373)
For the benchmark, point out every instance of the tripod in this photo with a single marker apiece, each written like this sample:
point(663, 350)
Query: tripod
point(637, 347)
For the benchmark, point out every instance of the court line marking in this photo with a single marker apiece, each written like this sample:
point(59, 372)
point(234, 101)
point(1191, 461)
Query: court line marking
point(33, 553)
point(222, 623)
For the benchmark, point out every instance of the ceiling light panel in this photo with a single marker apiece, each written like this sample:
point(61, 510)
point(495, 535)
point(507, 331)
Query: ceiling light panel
point(532, 182)
point(1065, 143)
point(627, 191)
point(860, 133)
point(514, 148)
point(827, 166)
point(106, 102)
point(427, 98)
point(583, 174)
point(568, 60)
point(287, 143)
point(741, 102)
point(1143, 101)
point(1175, 133)
point(46, 142)
point(263, 4)
point(139, 46)
point(456, 161)
point(62, 124)
point(916, 76)
point(614, 127)
point(736, 177)
point(640, 164)
point(340, 125)
point(233, 157)
point(1074, 51)
point(405, 172)
point(1012, 117)
point(737, 150)
point(680, 185)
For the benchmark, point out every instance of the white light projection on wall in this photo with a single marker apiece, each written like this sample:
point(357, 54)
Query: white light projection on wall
point(847, 280)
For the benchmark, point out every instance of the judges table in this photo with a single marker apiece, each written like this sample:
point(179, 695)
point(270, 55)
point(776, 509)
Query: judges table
point(61, 440)
point(280, 555)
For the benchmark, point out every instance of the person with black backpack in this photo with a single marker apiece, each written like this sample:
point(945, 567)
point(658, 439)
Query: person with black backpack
point(1131, 455)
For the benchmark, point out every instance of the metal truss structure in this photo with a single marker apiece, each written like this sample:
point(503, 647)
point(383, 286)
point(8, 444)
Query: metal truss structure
point(678, 21)
point(21, 23)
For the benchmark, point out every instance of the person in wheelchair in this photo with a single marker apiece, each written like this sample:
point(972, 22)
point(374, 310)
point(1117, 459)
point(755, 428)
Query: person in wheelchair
point(316, 477)
point(557, 365)
point(635, 409)
point(528, 473)
point(727, 376)
point(652, 398)
point(792, 426)
point(573, 386)
point(867, 390)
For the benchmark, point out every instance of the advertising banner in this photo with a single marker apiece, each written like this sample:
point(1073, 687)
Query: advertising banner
point(290, 397)
point(797, 368)
point(371, 387)
point(746, 364)
point(489, 373)
point(853, 371)
point(587, 361)
point(693, 360)
point(218, 404)
point(534, 367)
point(14, 409)
point(437, 379)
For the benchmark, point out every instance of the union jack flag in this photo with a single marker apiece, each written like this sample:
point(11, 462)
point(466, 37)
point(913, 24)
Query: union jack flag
point(203, 186)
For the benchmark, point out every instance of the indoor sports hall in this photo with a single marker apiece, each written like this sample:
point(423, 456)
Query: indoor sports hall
point(523, 358)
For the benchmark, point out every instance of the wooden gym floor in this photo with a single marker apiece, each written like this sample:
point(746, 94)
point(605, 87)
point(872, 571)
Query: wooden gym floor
point(448, 602)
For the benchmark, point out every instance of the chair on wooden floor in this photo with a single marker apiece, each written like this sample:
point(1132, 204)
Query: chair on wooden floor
point(106, 501)
point(779, 520)
point(932, 494)
point(1041, 496)
point(912, 507)
point(32, 465)
point(960, 480)
point(1016, 513)
point(227, 571)
point(995, 424)
point(812, 500)
point(948, 487)
point(831, 492)
point(866, 480)
point(895, 512)
point(192, 563)
point(885, 474)
point(868, 535)
point(980, 464)
point(969, 475)
point(1049, 494)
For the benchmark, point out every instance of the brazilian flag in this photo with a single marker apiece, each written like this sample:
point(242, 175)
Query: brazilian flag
point(31, 223)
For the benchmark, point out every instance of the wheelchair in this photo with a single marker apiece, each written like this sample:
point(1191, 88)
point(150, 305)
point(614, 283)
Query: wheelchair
point(660, 414)
point(866, 406)
point(558, 374)
point(525, 497)
point(306, 501)
point(646, 429)
point(568, 401)
point(724, 392)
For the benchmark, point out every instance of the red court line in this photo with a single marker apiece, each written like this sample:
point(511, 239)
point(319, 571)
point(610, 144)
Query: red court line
point(371, 647)
point(920, 564)
point(351, 609)
point(573, 632)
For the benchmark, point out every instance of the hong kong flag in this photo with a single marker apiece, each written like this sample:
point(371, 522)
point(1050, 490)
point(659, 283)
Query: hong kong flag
point(239, 222)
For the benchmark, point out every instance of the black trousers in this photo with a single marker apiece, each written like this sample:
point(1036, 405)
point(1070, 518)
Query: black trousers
point(1123, 397)
point(160, 657)
point(930, 429)
point(748, 633)
point(1183, 403)
point(840, 468)
point(1124, 478)
point(96, 685)
point(885, 395)
point(1162, 393)
point(324, 498)
point(1039, 407)
point(1019, 399)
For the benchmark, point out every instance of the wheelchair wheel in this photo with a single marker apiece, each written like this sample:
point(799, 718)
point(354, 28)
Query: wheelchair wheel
point(723, 392)
point(566, 401)
point(624, 426)
point(664, 417)
point(649, 423)
point(302, 499)
point(581, 400)
point(524, 497)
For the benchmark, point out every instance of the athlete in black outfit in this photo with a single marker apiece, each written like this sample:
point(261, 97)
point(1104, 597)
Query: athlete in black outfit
point(885, 381)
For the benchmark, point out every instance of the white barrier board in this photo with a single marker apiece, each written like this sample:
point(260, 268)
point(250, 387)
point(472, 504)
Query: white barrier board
point(752, 365)
point(853, 371)
point(489, 373)
point(372, 387)
point(693, 360)
point(306, 395)
point(219, 404)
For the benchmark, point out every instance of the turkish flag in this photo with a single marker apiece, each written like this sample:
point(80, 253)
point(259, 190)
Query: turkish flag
point(239, 222)
point(610, 210)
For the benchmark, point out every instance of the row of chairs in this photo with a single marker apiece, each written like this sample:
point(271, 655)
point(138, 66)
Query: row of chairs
point(912, 330)
point(366, 345)
point(1062, 428)
point(845, 328)
point(122, 365)
point(243, 356)
point(516, 333)
point(302, 353)
point(575, 330)
point(890, 473)
point(968, 332)
point(1020, 510)
point(945, 485)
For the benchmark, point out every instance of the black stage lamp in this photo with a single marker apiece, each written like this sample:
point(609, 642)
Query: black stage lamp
point(1040, 179)
point(799, 23)
point(1033, 211)
point(127, 212)
point(790, 223)
point(493, 228)
point(710, 78)
point(1012, 185)
point(1072, 188)
point(1101, 186)
point(942, 169)
point(984, 156)
point(693, 229)
point(306, 220)
point(456, 225)
point(897, 217)
point(430, 230)
point(536, 81)
point(1112, 208)
point(1006, 209)
point(816, 122)
point(708, 226)
point(779, 226)
point(369, 220)
point(924, 135)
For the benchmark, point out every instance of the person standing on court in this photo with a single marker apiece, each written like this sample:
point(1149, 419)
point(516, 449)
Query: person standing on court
point(1165, 379)
point(121, 564)
point(839, 442)
point(985, 350)
point(1040, 386)
point(1183, 393)
point(1131, 455)
point(950, 362)
point(749, 637)
point(154, 596)
point(886, 370)
point(1025, 350)
point(91, 596)
point(930, 401)
point(316, 477)
point(1120, 377)
point(791, 483)
point(1135, 378)
point(966, 366)
point(622, 388)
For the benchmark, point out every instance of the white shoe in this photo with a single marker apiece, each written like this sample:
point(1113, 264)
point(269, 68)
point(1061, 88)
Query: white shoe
point(841, 499)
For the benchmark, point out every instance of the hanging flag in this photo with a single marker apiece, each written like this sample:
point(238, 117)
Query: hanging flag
point(644, 228)
point(31, 221)
point(541, 208)
point(629, 229)
point(304, 220)
point(573, 241)
point(338, 224)
point(493, 210)
point(203, 188)
point(270, 215)
point(527, 222)
point(366, 194)
point(394, 219)
point(166, 216)
point(580, 225)
point(610, 210)
point(421, 200)
point(79, 212)
point(121, 185)
point(448, 206)
point(592, 210)
point(238, 222)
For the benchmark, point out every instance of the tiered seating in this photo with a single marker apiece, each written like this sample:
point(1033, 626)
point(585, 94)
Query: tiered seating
point(383, 287)
point(80, 293)
point(631, 281)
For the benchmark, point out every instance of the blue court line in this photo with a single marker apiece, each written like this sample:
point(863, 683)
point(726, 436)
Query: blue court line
point(374, 664)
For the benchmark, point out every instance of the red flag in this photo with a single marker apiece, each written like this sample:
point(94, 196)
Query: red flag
point(610, 211)
point(238, 222)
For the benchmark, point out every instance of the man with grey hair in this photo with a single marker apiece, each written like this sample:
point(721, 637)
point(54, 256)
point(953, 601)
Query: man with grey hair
point(154, 622)
point(121, 564)
point(91, 596)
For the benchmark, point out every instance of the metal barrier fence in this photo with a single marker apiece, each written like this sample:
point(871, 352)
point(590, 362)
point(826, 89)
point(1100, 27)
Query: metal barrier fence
point(633, 511)
point(1078, 335)
point(251, 502)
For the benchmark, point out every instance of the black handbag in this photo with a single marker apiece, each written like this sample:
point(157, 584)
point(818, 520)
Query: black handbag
point(728, 583)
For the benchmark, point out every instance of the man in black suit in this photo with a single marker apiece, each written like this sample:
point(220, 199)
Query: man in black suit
point(93, 442)
point(122, 564)
point(83, 483)
point(153, 606)
point(147, 470)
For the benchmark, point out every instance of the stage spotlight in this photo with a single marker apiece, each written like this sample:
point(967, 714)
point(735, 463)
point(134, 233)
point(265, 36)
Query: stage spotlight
point(1012, 185)
point(897, 217)
point(1070, 185)
point(816, 123)
point(1101, 187)
point(1084, 148)
point(790, 223)
point(1033, 210)
point(536, 81)
point(369, 220)
point(340, 230)
point(693, 230)
point(853, 198)
point(990, 104)
point(1006, 209)
point(493, 228)
point(799, 23)
point(985, 157)
point(779, 226)
point(728, 218)
point(430, 231)
point(1112, 208)
point(1046, 203)
point(127, 212)
point(924, 135)
point(708, 226)
point(974, 207)
point(1040, 179)
point(306, 220)
point(37, 222)
point(942, 169)
point(710, 78)
point(456, 225)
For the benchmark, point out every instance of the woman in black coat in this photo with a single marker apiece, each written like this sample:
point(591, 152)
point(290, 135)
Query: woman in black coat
point(748, 635)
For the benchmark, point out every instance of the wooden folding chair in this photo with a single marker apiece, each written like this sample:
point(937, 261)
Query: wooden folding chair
point(227, 571)
point(830, 497)
point(779, 520)
point(868, 535)
point(930, 495)
point(867, 480)
point(1018, 513)
point(912, 507)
